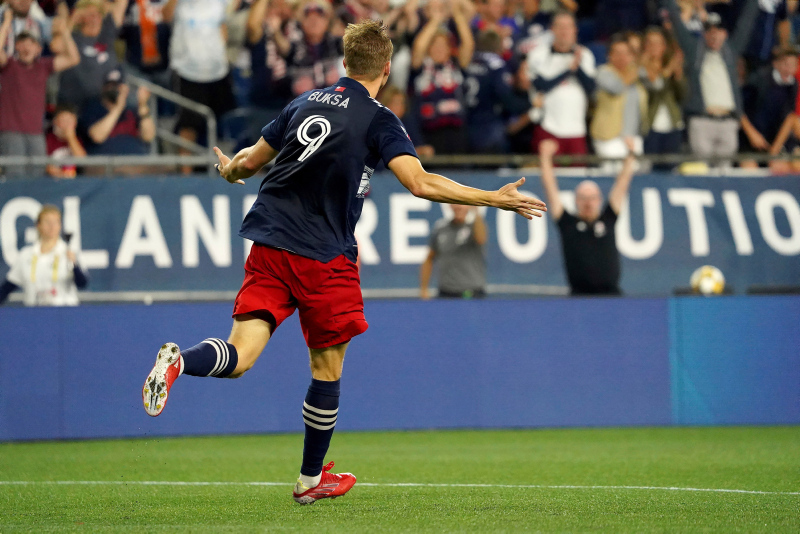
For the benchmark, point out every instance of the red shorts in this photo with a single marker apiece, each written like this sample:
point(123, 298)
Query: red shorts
point(567, 146)
point(328, 295)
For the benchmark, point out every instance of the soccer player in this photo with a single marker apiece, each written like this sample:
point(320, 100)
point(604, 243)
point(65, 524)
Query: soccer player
point(327, 143)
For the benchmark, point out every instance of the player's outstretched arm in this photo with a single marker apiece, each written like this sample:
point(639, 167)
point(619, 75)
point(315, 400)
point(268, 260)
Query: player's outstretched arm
point(246, 163)
point(440, 189)
point(619, 191)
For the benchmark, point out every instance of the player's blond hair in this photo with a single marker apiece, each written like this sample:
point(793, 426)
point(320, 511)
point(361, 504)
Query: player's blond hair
point(367, 49)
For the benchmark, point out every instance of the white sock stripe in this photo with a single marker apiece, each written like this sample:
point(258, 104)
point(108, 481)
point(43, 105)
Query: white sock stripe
point(307, 415)
point(210, 341)
point(320, 427)
point(226, 355)
point(319, 411)
point(221, 361)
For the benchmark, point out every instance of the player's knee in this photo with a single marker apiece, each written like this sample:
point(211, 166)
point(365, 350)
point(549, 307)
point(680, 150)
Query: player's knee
point(247, 358)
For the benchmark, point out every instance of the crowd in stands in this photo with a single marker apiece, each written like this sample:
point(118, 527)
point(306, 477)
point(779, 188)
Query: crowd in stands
point(712, 78)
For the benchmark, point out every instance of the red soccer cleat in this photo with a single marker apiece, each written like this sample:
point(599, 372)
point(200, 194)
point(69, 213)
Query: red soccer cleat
point(156, 388)
point(330, 486)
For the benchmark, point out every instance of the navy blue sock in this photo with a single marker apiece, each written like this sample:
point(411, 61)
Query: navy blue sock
point(212, 357)
point(319, 413)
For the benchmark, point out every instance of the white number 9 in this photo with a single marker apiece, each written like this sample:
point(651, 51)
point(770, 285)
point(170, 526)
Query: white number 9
point(312, 143)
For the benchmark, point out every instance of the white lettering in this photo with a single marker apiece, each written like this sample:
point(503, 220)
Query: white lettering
point(143, 217)
point(510, 246)
point(403, 228)
point(694, 201)
point(336, 99)
point(344, 103)
point(364, 229)
point(13, 210)
point(653, 238)
point(90, 259)
point(326, 99)
point(313, 96)
point(247, 203)
point(195, 227)
point(739, 230)
point(765, 211)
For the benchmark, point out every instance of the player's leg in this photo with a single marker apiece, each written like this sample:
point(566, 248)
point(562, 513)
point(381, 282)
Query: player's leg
point(232, 358)
point(331, 314)
point(249, 335)
point(212, 357)
point(320, 412)
point(262, 304)
point(320, 409)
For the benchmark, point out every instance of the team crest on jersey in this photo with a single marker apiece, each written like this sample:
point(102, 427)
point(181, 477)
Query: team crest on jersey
point(364, 186)
point(599, 229)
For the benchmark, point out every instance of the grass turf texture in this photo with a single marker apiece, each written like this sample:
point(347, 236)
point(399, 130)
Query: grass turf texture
point(766, 459)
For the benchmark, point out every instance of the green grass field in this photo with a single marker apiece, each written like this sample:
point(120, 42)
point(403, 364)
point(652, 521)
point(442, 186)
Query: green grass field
point(526, 474)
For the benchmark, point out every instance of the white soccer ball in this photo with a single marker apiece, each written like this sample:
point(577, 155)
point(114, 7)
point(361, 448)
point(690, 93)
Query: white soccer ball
point(707, 280)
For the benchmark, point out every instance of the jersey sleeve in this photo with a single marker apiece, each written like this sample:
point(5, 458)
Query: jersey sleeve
point(388, 138)
point(273, 132)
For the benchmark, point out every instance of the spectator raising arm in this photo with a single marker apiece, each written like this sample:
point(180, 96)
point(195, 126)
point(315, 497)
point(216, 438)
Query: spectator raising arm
point(255, 21)
point(280, 40)
point(423, 41)
point(744, 27)
point(147, 126)
point(5, 30)
point(168, 11)
point(619, 191)
point(548, 149)
point(117, 11)
point(686, 41)
point(69, 56)
point(101, 130)
point(569, 5)
point(479, 232)
point(466, 48)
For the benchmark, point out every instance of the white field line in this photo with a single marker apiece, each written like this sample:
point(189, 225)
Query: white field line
point(380, 485)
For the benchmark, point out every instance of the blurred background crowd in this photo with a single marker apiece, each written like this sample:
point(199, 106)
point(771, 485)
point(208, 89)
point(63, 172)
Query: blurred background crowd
point(711, 79)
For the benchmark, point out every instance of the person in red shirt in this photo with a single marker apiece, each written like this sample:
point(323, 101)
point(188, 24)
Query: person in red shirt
point(23, 78)
point(62, 141)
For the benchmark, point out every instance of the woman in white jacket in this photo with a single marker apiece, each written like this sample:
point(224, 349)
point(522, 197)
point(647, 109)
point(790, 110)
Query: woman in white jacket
point(47, 271)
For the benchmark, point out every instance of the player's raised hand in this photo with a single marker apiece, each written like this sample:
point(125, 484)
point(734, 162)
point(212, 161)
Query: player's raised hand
point(510, 199)
point(224, 167)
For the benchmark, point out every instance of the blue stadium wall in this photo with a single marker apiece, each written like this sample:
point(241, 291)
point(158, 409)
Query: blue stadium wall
point(177, 233)
point(77, 373)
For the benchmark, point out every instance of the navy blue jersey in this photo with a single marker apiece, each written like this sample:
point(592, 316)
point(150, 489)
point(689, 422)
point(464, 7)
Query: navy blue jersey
point(330, 141)
point(489, 91)
point(488, 84)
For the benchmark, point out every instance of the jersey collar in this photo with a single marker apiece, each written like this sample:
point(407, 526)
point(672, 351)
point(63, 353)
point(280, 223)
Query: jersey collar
point(350, 83)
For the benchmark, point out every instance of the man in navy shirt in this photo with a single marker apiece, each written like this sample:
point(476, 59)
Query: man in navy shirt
point(327, 143)
point(489, 94)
